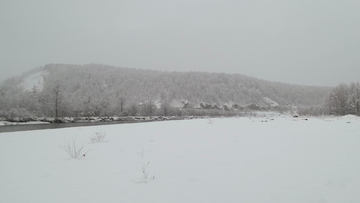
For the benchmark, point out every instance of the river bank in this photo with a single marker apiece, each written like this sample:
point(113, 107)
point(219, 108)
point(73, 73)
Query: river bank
point(66, 122)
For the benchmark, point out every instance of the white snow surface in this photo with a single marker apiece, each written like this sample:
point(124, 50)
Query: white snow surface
point(270, 102)
point(35, 80)
point(226, 160)
point(179, 103)
point(2, 123)
point(351, 117)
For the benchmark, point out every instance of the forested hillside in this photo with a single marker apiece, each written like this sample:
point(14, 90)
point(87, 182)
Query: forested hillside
point(97, 90)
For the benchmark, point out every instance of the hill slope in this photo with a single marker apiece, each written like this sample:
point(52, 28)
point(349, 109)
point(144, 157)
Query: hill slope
point(100, 89)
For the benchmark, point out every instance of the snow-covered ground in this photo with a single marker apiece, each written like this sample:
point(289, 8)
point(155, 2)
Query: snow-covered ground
point(218, 160)
point(2, 123)
point(35, 80)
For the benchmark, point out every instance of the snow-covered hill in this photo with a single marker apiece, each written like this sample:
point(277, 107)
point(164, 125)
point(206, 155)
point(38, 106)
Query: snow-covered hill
point(100, 90)
point(194, 87)
point(35, 80)
point(261, 160)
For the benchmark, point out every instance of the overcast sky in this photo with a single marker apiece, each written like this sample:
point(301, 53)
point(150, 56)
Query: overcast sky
point(308, 42)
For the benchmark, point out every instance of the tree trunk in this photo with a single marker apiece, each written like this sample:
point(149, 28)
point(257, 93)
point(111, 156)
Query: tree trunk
point(56, 104)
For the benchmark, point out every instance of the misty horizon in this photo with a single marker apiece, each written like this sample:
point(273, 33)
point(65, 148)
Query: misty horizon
point(305, 43)
point(165, 71)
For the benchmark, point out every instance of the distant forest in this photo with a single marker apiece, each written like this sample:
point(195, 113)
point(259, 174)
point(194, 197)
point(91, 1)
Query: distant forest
point(101, 90)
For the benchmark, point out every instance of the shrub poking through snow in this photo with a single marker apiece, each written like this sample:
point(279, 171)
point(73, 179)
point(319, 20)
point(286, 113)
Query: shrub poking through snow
point(210, 121)
point(145, 177)
point(73, 151)
point(98, 137)
point(146, 173)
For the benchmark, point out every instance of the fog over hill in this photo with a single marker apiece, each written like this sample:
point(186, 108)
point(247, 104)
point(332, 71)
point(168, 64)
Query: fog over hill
point(96, 89)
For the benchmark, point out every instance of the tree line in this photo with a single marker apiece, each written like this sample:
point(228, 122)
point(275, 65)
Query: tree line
point(100, 90)
point(344, 99)
point(341, 100)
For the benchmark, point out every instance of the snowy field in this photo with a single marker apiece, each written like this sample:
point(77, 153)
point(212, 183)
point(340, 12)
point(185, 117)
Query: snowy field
point(222, 160)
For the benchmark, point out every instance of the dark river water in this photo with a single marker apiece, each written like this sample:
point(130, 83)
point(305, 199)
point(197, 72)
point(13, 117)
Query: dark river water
point(14, 128)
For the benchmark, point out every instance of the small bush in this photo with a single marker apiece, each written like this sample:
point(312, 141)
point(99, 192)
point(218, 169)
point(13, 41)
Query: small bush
point(19, 115)
point(73, 151)
point(210, 121)
point(145, 174)
point(98, 137)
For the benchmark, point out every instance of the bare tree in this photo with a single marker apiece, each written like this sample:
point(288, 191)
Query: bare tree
point(354, 94)
point(148, 107)
point(56, 90)
point(133, 110)
point(165, 108)
point(338, 100)
point(122, 101)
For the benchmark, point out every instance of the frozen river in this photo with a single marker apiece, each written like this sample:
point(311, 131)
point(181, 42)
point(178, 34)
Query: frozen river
point(26, 127)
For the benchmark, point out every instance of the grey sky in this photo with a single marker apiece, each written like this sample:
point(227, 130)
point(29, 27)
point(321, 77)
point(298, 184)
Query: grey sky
point(308, 42)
